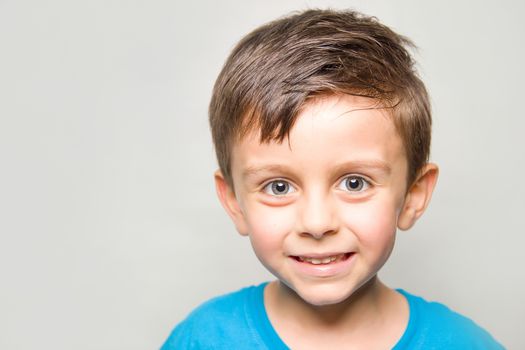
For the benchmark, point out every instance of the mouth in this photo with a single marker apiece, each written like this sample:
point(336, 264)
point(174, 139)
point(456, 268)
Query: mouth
point(322, 260)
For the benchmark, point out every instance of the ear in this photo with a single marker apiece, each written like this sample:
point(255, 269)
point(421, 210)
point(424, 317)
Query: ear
point(229, 202)
point(418, 196)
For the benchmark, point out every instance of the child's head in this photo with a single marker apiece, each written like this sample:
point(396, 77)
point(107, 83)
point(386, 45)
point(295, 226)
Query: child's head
point(277, 68)
point(322, 131)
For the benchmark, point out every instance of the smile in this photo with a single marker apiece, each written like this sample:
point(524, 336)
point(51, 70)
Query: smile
point(328, 265)
point(323, 260)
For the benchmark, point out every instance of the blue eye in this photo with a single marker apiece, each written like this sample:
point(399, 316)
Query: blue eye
point(278, 188)
point(354, 184)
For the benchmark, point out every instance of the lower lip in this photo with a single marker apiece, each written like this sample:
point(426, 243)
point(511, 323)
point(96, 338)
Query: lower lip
point(323, 270)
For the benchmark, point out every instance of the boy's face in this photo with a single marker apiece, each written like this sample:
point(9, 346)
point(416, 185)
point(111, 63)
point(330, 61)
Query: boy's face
point(321, 208)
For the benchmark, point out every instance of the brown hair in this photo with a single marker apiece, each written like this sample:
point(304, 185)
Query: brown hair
point(275, 69)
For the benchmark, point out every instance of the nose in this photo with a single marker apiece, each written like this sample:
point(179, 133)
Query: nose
point(317, 217)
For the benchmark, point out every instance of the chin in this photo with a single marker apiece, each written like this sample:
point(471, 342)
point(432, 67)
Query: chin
point(323, 296)
point(324, 301)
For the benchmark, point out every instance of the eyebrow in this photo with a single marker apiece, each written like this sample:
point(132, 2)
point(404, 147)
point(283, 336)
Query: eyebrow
point(357, 165)
point(374, 164)
point(254, 170)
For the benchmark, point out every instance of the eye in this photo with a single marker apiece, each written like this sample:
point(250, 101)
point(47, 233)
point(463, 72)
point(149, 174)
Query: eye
point(278, 188)
point(354, 183)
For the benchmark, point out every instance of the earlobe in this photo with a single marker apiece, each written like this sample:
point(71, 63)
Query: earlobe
point(229, 202)
point(418, 196)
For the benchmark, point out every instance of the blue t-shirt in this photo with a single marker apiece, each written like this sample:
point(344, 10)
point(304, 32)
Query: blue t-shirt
point(239, 321)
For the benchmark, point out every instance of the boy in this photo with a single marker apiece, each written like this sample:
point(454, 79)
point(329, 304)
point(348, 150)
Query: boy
point(322, 133)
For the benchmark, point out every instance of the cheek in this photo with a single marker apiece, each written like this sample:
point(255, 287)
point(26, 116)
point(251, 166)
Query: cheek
point(268, 226)
point(374, 224)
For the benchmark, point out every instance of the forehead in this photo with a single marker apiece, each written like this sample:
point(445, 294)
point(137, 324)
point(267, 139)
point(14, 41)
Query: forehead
point(328, 130)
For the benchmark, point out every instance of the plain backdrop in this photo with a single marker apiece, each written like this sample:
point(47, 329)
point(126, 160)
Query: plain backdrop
point(110, 231)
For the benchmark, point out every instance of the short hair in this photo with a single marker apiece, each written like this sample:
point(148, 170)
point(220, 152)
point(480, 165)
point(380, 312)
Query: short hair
point(274, 70)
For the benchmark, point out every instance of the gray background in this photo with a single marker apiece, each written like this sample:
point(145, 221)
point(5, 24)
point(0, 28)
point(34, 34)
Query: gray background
point(110, 231)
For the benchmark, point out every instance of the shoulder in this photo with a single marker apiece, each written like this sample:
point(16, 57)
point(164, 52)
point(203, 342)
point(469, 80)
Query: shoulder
point(214, 322)
point(433, 325)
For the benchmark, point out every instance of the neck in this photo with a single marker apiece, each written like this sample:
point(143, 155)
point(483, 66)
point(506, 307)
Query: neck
point(372, 310)
point(365, 304)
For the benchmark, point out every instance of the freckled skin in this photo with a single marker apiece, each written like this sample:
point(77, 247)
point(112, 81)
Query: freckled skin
point(334, 137)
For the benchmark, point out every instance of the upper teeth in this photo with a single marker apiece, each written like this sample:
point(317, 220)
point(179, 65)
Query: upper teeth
point(317, 261)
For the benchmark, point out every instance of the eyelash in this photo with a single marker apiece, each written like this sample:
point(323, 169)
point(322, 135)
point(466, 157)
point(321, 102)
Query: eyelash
point(363, 185)
point(268, 188)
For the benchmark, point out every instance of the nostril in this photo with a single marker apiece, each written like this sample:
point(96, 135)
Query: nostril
point(319, 234)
